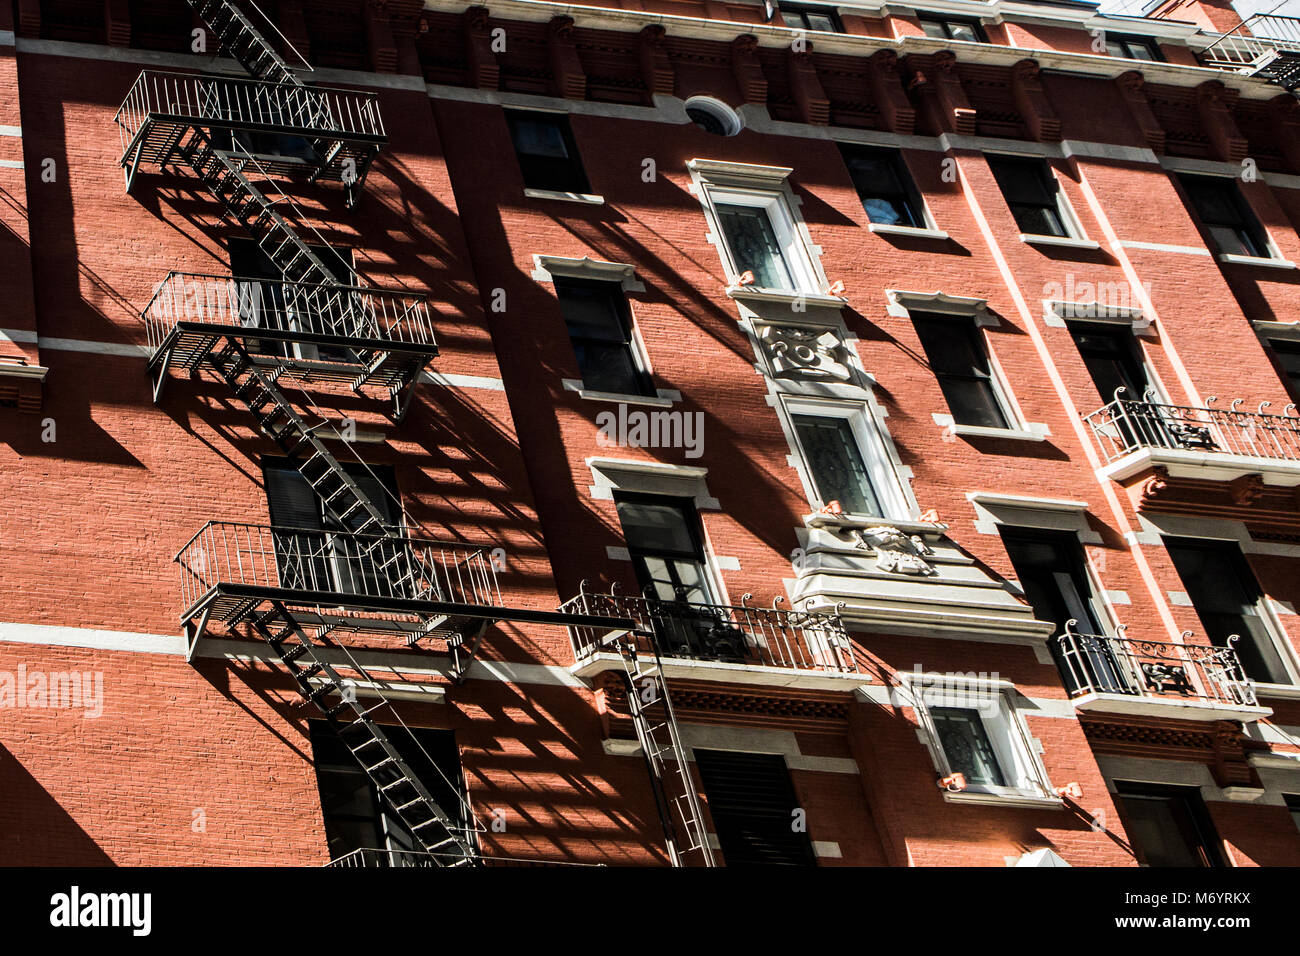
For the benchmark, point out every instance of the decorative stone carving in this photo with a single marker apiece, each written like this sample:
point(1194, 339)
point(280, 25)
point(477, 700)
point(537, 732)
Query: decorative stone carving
point(1214, 102)
point(895, 551)
point(797, 352)
point(656, 68)
point(747, 70)
point(1031, 99)
point(1131, 89)
point(887, 87)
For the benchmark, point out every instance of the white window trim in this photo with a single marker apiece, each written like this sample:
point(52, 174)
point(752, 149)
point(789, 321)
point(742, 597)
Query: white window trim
point(766, 187)
point(876, 453)
point(1016, 750)
point(1213, 170)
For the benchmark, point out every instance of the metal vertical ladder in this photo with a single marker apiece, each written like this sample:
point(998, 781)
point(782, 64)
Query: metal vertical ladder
point(676, 799)
point(437, 832)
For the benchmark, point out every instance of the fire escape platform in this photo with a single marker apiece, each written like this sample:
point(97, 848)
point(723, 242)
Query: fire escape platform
point(1205, 465)
point(720, 672)
point(1179, 708)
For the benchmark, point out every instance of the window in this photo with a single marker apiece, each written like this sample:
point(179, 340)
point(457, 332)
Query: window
point(317, 561)
point(665, 542)
point(1169, 826)
point(1226, 216)
point(548, 156)
point(947, 28)
point(835, 463)
point(713, 116)
point(264, 302)
point(884, 186)
point(1293, 804)
point(752, 802)
point(219, 92)
point(1110, 353)
point(1031, 193)
point(1133, 48)
point(822, 19)
point(1228, 600)
point(755, 246)
point(356, 817)
point(600, 329)
point(959, 361)
point(975, 731)
point(1288, 359)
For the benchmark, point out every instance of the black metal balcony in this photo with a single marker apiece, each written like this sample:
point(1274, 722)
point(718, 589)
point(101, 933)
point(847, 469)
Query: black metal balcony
point(1096, 667)
point(373, 858)
point(722, 634)
point(295, 130)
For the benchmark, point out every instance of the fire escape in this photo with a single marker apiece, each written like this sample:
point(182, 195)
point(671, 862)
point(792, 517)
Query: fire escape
point(299, 591)
point(1264, 45)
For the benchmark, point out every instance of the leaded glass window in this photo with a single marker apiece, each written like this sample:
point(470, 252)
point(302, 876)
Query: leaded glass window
point(754, 246)
point(966, 744)
point(835, 463)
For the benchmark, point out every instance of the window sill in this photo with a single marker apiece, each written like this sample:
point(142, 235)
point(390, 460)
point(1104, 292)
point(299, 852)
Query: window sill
point(785, 296)
point(1008, 798)
point(917, 232)
point(1282, 691)
point(586, 198)
point(1068, 242)
point(1262, 262)
point(664, 399)
point(1033, 432)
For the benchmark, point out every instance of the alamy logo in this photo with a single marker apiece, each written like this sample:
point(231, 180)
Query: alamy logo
point(962, 690)
point(55, 690)
point(1086, 300)
point(641, 429)
point(76, 909)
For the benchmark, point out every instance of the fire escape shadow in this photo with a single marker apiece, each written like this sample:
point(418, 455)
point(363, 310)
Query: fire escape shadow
point(35, 830)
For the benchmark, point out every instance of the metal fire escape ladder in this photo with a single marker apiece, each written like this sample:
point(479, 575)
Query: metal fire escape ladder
point(676, 799)
point(435, 830)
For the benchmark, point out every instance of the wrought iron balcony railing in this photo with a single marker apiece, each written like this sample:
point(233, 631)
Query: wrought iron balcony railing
point(1101, 664)
point(728, 634)
point(159, 104)
point(369, 857)
point(1125, 426)
point(1263, 44)
point(246, 558)
point(297, 311)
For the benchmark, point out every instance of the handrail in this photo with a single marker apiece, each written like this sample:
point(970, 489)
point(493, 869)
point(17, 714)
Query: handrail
point(1123, 426)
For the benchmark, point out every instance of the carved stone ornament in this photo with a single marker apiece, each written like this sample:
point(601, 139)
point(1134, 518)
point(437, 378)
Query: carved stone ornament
point(896, 552)
point(804, 353)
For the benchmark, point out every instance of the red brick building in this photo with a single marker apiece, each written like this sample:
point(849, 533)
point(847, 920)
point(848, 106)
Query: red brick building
point(899, 399)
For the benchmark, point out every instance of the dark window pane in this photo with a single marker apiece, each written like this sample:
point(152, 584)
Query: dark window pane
point(883, 185)
point(1111, 356)
point(1050, 568)
point(1226, 216)
point(1228, 601)
point(752, 803)
point(934, 29)
point(966, 744)
point(706, 121)
point(1293, 804)
point(963, 31)
point(1030, 192)
point(1169, 825)
point(1288, 356)
point(600, 331)
point(958, 360)
point(663, 539)
point(544, 146)
point(836, 463)
point(754, 247)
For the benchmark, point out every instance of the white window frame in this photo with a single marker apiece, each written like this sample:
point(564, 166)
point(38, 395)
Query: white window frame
point(885, 482)
point(1014, 747)
point(1076, 235)
point(759, 187)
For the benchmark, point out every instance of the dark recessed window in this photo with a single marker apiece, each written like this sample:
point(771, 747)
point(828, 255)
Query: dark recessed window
point(1225, 215)
point(884, 186)
point(356, 817)
point(835, 461)
point(664, 541)
point(1031, 192)
point(1169, 826)
point(600, 329)
point(957, 356)
point(821, 19)
point(1293, 804)
point(548, 156)
point(752, 802)
point(948, 28)
point(1133, 48)
point(1228, 600)
point(713, 116)
point(1288, 359)
point(1110, 353)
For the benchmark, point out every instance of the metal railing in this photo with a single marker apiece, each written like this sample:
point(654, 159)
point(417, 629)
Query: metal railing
point(1124, 426)
point(1099, 663)
point(225, 552)
point(734, 634)
point(229, 102)
point(369, 857)
point(345, 311)
point(1253, 42)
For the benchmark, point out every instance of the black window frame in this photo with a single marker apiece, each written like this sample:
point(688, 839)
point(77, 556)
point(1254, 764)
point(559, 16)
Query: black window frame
point(640, 378)
point(754, 824)
point(945, 21)
point(907, 195)
point(1292, 802)
point(802, 10)
point(1248, 231)
point(1209, 844)
point(1039, 172)
point(1127, 40)
point(547, 173)
point(1133, 373)
point(1290, 378)
point(981, 371)
point(694, 528)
